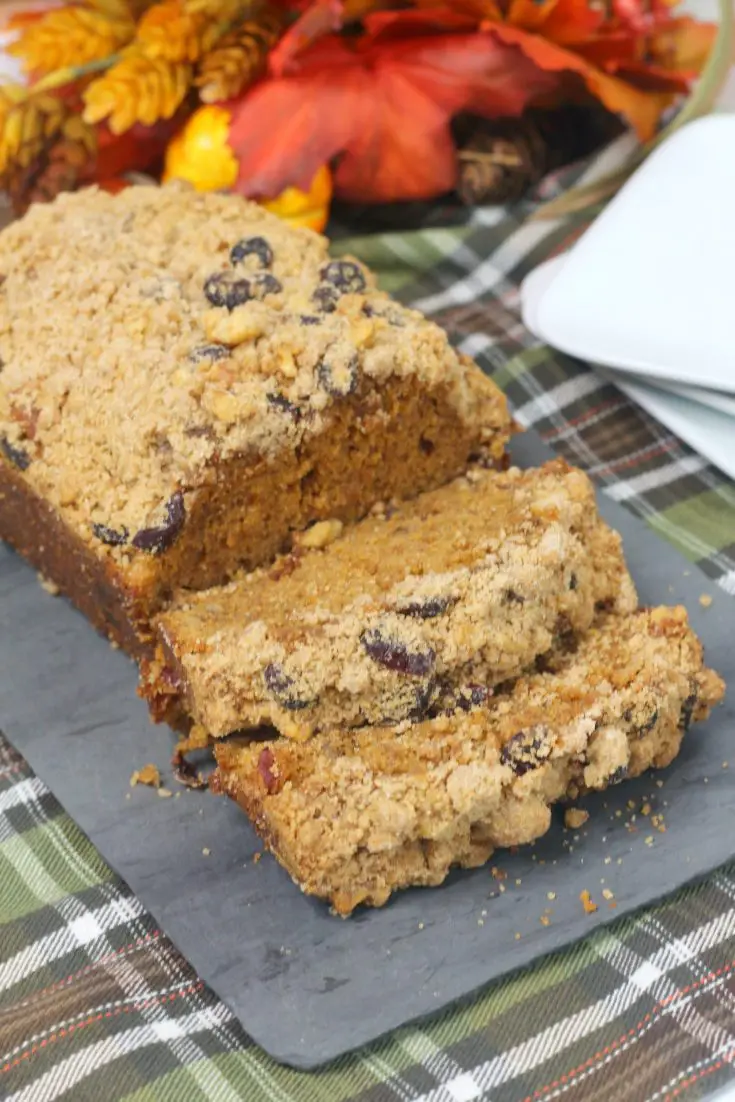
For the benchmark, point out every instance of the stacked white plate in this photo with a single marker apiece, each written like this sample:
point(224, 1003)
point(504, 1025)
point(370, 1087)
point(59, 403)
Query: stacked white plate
point(648, 293)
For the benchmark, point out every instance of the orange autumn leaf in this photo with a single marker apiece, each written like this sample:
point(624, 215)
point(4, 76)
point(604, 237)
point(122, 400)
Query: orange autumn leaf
point(682, 45)
point(634, 58)
point(352, 100)
point(642, 109)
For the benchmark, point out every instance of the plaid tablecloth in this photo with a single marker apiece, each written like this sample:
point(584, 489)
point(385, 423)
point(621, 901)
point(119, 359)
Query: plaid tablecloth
point(96, 1003)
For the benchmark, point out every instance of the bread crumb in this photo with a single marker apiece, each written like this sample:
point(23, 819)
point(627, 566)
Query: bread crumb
point(574, 818)
point(421, 925)
point(148, 774)
point(587, 903)
point(649, 840)
point(646, 809)
point(481, 922)
point(607, 894)
point(498, 874)
point(551, 895)
point(206, 851)
point(165, 792)
point(517, 936)
point(705, 600)
point(50, 587)
point(545, 920)
point(608, 860)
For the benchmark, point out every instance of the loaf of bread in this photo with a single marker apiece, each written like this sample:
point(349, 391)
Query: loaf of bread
point(186, 381)
point(455, 591)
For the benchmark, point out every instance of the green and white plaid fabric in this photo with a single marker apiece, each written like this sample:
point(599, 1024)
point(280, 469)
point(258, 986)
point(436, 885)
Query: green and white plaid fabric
point(96, 1003)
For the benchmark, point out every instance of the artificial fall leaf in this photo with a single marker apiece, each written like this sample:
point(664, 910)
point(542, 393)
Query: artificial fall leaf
point(138, 148)
point(613, 55)
point(383, 108)
point(319, 19)
point(682, 45)
point(68, 36)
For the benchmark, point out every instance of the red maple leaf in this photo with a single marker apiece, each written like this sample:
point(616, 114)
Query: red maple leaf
point(382, 105)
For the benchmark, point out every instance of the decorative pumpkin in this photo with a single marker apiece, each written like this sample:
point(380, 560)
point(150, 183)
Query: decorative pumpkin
point(305, 208)
point(201, 154)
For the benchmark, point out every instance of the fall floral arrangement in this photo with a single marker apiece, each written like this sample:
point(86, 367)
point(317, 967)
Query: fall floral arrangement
point(288, 101)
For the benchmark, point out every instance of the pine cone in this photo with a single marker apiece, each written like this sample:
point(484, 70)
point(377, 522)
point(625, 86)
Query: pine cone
point(71, 36)
point(500, 164)
point(137, 89)
point(61, 164)
point(169, 31)
point(239, 58)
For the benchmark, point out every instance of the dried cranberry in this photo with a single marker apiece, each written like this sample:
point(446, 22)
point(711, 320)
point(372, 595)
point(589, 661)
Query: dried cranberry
point(228, 290)
point(186, 772)
point(111, 536)
point(395, 655)
point(468, 697)
point(325, 299)
point(390, 314)
point(281, 403)
point(160, 537)
point(19, 457)
point(211, 352)
point(345, 275)
point(426, 447)
point(339, 379)
point(266, 762)
point(644, 727)
point(425, 696)
point(687, 709)
point(310, 319)
point(199, 431)
point(263, 283)
point(511, 597)
point(573, 581)
point(252, 246)
point(526, 750)
point(284, 689)
point(428, 609)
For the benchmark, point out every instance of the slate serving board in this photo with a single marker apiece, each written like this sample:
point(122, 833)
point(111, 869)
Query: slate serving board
point(308, 986)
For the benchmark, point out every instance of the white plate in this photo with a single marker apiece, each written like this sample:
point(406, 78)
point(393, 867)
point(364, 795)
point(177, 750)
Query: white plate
point(709, 432)
point(534, 288)
point(649, 288)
